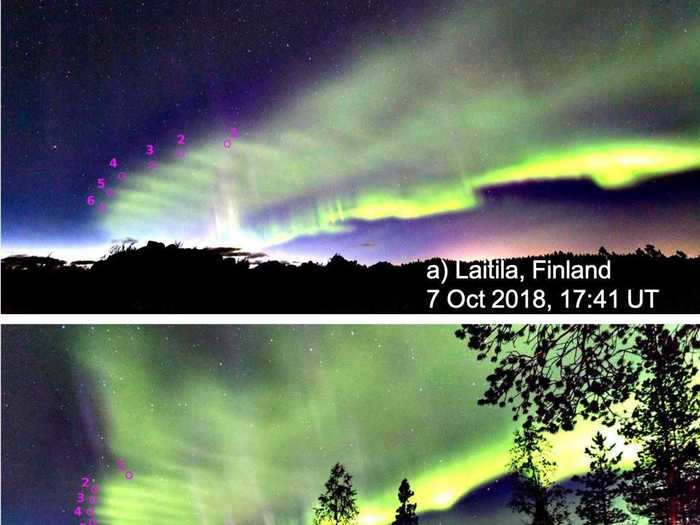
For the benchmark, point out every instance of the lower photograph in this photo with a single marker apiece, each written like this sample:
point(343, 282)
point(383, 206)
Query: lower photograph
point(342, 424)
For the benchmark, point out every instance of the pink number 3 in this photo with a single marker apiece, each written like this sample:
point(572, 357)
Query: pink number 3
point(150, 150)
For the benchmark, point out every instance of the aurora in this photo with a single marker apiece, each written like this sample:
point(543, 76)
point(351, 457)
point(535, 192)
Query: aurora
point(417, 124)
point(382, 131)
point(240, 424)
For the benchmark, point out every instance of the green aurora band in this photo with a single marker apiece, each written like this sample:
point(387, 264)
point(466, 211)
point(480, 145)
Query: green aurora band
point(414, 124)
point(239, 425)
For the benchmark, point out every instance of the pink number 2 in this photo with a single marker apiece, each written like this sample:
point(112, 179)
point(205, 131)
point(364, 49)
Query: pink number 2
point(181, 139)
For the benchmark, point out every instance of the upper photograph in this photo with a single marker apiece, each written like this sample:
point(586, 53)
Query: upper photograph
point(314, 157)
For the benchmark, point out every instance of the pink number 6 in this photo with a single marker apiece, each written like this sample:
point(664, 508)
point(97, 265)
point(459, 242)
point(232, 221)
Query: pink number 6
point(90, 202)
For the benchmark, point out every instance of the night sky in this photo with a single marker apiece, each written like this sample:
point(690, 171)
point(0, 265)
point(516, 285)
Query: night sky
point(225, 425)
point(379, 130)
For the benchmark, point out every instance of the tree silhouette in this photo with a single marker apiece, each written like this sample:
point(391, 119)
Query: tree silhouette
point(550, 374)
point(601, 486)
point(337, 504)
point(665, 423)
point(535, 495)
point(406, 512)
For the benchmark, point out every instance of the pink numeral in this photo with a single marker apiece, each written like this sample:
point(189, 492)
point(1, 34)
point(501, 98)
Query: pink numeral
point(81, 497)
point(86, 482)
point(113, 162)
point(92, 500)
point(100, 183)
point(181, 139)
point(94, 489)
point(150, 150)
point(90, 202)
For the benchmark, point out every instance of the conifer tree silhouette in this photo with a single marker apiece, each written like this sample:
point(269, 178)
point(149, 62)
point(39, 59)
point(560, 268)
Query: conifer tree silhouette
point(602, 486)
point(663, 484)
point(337, 504)
point(551, 374)
point(406, 512)
point(535, 495)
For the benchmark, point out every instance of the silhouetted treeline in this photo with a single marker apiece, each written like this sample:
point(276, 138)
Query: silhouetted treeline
point(553, 377)
point(171, 279)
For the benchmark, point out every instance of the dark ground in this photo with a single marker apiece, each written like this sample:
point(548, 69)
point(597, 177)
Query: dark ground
point(170, 279)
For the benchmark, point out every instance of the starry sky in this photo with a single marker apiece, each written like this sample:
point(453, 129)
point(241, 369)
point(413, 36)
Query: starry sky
point(224, 425)
point(380, 130)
